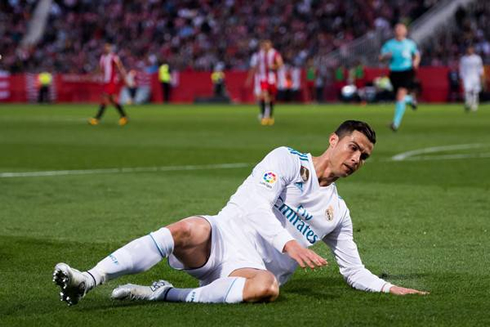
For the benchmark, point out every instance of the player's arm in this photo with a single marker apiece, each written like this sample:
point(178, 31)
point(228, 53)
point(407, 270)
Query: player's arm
point(278, 169)
point(120, 68)
point(251, 73)
point(97, 73)
point(416, 59)
point(278, 62)
point(344, 248)
point(482, 74)
point(385, 54)
point(462, 70)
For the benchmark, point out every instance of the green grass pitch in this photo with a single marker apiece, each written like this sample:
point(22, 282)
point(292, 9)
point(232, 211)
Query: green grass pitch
point(422, 222)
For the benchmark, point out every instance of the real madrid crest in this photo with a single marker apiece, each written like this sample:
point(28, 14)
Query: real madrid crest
point(305, 173)
point(329, 213)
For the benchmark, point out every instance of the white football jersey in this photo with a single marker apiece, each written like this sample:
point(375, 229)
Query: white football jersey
point(471, 66)
point(282, 200)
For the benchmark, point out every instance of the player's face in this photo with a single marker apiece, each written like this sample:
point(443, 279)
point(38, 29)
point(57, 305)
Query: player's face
point(400, 31)
point(266, 45)
point(349, 153)
point(107, 48)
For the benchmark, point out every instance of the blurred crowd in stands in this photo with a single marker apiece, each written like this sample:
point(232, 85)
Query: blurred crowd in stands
point(472, 27)
point(199, 34)
point(193, 34)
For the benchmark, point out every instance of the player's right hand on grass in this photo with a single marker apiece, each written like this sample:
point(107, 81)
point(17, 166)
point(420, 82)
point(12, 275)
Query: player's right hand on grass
point(397, 290)
point(303, 256)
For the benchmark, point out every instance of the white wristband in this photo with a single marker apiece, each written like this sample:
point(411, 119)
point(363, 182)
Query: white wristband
point(386, 287)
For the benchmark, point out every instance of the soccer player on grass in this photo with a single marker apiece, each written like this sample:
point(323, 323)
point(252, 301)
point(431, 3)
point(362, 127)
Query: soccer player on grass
point(471, 72)
point(111, 67)
point(403, 57)
point(256, 242)
point(264, 65)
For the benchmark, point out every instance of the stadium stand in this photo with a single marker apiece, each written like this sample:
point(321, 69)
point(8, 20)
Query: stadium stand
point(13, 17)
point(471, 25)
point(194, 34)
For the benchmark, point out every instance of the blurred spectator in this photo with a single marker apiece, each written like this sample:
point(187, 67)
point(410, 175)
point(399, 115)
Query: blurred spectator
point(45, 79)
point(454, 84)
point(384, 89)
point(340, 78)
point(311, 75)
point(321, 76)
point(131, 84)
point(472, 26)
point(192, 34)
point(218, 79)
point(165, 79)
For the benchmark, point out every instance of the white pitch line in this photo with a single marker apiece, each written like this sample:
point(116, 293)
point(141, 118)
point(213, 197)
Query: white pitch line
point(450, 157)
point(121, 170)
point(411, 155)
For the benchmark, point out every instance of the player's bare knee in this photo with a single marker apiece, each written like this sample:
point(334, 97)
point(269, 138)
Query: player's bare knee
point(181, 232)
point(263, 288)
point(272, 291)
point(186, 231)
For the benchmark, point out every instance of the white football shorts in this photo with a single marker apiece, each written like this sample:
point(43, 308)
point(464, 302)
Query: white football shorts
point(234, 246)
point(472, 84)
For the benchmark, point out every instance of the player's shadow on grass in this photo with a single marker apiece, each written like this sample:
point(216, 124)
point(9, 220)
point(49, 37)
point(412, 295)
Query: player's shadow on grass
point(316, 287)
point(112, 305)
point(402, 277)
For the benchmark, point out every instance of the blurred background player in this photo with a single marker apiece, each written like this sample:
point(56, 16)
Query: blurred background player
point(472, 73)
point(111, 67)
point(264, 65)
point(403, 57)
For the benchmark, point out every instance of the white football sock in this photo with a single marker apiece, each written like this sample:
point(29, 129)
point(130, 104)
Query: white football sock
point(468, 99)
point(223, 290)
point(476, 100)
point(136, 256)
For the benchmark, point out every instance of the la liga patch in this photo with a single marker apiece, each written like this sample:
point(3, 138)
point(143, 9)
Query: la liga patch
point(269, 179)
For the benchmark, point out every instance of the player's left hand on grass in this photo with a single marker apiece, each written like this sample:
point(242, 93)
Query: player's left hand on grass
point(397, 290)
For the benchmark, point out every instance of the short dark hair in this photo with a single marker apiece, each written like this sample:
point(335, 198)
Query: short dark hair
point(349, 126)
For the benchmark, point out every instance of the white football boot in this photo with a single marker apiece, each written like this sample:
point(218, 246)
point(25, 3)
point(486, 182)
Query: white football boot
point(156, 292)
point(74, 285)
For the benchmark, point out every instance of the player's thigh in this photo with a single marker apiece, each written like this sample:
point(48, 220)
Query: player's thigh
point(260, 285)
point(401, 93)
point(112, 98)
point(104, 98)
point(266, 95)
point(192, 241)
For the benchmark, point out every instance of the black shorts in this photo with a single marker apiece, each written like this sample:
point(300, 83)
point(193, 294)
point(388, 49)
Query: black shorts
point(402, 79)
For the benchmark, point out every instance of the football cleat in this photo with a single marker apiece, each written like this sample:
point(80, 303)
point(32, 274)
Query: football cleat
point(156, 292)
point(393, 127)
point(93, 121)
point(74, 285)
point(271, 121)
point(123, 121)
point(414, 104)
point(264, 121)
